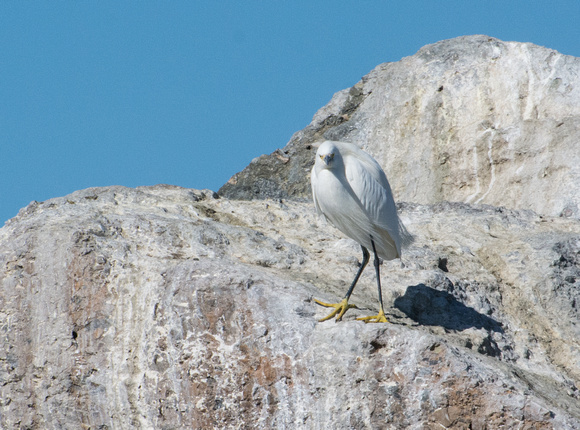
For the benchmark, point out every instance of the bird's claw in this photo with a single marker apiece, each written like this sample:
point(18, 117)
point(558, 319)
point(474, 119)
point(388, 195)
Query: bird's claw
point(339, 309)
point(379, 318)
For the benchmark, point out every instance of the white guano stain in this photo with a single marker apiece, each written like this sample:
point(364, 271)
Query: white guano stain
point(490, 136)
point(490, 132)
point(477, 187)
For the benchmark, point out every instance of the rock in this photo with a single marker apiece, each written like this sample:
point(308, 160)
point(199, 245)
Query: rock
point(164, 307)
point(471, 119)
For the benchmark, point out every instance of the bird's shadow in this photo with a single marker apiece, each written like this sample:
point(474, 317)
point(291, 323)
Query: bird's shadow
point(428, 306)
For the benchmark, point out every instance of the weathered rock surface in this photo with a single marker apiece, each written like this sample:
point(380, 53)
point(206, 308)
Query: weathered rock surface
point(471, 119)
point(163, 307)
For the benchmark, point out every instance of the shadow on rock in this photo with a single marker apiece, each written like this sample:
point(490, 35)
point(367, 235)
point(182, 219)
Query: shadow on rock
point(428, 306)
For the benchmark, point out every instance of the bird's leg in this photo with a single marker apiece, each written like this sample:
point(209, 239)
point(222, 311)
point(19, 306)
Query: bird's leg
point(363, 264)
point(380, 317)
point(341, 307)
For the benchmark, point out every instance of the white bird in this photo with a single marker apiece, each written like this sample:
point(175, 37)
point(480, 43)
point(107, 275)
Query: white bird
point(350, 189)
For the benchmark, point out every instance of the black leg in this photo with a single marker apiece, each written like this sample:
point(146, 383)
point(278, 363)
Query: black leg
point(360, 270)
point(378, 274)
point(380, 317)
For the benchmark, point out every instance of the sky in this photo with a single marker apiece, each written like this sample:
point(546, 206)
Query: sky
point(97, 93)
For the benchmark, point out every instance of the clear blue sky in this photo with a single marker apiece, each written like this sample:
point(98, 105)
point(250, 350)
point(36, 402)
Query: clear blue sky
point(96, 93)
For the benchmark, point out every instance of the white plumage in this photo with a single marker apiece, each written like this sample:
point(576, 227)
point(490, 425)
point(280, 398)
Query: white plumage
point(351, 190)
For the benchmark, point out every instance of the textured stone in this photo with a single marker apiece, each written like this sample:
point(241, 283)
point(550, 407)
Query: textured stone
point(471, 119)
point(164, 307)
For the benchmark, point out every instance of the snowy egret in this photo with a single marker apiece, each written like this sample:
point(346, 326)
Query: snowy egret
point(350, 189)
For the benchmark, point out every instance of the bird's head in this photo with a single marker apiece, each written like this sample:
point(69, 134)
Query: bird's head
point(327, 155)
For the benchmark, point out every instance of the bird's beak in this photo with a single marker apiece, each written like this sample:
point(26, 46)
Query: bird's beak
point(328, 158)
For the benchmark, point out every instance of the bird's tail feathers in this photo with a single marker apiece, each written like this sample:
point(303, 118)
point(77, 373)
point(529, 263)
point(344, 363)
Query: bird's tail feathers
point(406, 237)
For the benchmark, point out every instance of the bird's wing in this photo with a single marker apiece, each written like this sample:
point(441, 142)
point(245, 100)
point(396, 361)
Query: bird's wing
point(373, 167)
point(370, 185)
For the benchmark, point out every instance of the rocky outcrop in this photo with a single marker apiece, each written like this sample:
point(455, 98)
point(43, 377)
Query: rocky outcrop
point(164, 307)
point(471, 119)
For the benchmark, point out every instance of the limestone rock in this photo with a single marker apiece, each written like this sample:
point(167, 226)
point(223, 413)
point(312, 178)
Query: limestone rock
point(164, 307)
point(471, 119)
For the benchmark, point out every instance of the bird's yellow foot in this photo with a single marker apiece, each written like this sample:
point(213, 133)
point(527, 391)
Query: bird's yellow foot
point(380, 318)
point(339, 309)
